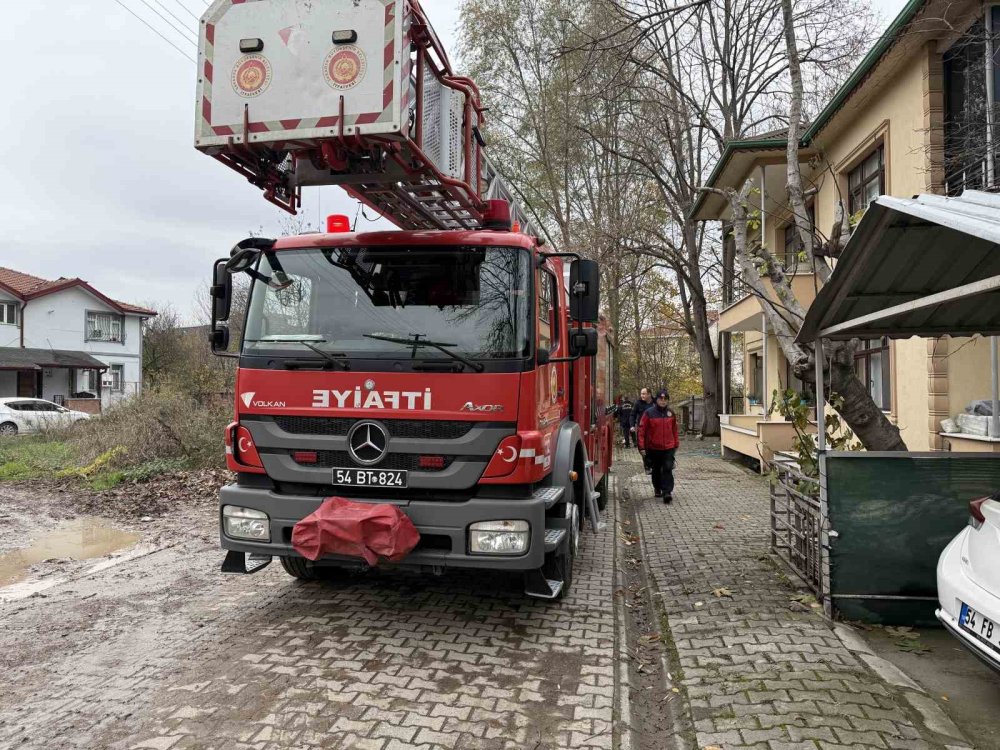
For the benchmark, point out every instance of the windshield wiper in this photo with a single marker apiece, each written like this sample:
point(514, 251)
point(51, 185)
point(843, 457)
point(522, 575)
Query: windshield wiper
point(417, 342)
point(330, 357)
point(307, 340)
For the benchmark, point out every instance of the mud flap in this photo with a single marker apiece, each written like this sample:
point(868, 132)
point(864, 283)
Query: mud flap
point(592, 495)
point(245, 562)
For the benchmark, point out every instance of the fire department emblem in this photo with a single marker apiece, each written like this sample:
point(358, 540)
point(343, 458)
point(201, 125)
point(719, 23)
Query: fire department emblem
point(344, 67)
point(553, 384)
point(251, 75)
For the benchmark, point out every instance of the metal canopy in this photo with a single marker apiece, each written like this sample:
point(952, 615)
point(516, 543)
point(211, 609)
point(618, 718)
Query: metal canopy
point(927, 266)
point(36, 359)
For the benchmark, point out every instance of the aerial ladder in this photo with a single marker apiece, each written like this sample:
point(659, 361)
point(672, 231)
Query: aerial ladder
point(355, 93)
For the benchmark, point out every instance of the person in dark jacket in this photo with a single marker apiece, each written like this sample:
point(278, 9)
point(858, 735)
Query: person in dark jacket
point(645, 401)
point(658, 440)
point(625, 419)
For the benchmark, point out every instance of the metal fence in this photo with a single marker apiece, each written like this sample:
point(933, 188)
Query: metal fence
point(796, 523)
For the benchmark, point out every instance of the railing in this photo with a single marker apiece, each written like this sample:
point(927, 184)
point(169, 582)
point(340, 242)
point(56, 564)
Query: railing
point(796, 522)
point(737, 291)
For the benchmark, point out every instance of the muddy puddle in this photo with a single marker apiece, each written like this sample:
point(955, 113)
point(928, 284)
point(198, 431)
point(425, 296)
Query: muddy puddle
point(80, 539)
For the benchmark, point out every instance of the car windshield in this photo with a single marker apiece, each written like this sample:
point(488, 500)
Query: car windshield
point(377, 302)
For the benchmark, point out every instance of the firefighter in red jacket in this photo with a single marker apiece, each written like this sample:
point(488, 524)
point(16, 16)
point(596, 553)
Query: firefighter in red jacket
point(658, 440)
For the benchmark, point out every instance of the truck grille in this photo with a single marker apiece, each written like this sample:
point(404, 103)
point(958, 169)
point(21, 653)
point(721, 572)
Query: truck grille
point(423, 429)
point(407, 461)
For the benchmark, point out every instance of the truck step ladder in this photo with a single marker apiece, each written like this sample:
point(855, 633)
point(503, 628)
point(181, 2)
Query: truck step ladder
point(597, 525)
point(537, 586)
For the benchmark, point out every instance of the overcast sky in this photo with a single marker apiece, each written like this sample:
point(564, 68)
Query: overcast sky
point(101, 179)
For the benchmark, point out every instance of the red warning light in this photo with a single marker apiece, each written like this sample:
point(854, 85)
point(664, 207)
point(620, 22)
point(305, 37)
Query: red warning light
point(337, 223)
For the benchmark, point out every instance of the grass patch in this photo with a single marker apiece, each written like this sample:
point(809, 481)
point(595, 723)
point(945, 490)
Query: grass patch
point(33, 456)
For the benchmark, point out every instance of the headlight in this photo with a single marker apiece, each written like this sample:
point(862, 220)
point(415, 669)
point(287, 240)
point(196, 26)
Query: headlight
point(246, 523)
point(499, 537)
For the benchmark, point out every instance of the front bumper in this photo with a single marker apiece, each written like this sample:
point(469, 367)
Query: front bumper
point(443, 528)
point(954, 588)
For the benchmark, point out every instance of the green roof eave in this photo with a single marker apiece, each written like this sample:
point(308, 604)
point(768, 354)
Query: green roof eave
point(882, 46)
point(843, 93)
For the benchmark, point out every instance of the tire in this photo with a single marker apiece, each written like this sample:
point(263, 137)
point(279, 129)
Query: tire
point(602, 487)
point(8, 429)
point(299, 567)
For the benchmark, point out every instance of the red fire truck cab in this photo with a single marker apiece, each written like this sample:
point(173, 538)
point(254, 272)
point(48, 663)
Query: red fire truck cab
point(462, 376)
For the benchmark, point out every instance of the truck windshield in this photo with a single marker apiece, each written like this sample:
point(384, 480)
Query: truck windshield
point(367, 301)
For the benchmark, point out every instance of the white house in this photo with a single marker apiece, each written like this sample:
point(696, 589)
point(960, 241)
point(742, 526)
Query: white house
point(64, 341)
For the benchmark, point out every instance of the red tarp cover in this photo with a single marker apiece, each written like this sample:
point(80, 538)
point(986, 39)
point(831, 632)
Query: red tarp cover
point(344, 527)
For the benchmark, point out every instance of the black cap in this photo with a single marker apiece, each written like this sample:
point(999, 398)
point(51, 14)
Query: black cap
point(662, 393)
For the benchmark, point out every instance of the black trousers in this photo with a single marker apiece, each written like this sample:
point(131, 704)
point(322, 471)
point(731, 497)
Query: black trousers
point(662, 463)
point(627, 433)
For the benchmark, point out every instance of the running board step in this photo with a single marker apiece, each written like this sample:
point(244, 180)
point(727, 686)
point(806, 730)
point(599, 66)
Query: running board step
point(536, 585)
point(550, 495)
point(553, 538)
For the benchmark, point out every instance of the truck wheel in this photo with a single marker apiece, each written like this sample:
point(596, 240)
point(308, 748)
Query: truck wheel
point(298, 567)
point(602, 487)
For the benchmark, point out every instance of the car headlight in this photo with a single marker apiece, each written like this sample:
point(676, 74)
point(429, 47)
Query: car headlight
point(499, 537)
point(246, 523)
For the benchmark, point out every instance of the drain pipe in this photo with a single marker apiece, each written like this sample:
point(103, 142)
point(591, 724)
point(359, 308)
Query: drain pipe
point(995, 368)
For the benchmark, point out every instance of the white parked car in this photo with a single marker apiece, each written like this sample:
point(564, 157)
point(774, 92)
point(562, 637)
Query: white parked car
point(968, 579)
point(21, 415)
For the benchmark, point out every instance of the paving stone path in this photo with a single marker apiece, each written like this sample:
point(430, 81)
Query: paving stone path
point(166, 653)
point(757, 674)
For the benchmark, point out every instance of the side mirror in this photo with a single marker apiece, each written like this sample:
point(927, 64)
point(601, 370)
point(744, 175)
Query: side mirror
point(543, 357)
point(584, 291)
point(222, 292)
point(218, 337)
point(583, 342)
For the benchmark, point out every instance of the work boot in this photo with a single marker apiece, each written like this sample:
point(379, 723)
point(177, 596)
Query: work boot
point(657, 493)
point(667, 499)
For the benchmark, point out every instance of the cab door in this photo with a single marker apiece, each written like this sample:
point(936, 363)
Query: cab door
point(549, 387)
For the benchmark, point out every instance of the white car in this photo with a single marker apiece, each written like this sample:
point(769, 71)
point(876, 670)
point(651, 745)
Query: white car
point(21, 415)
point(968, 579)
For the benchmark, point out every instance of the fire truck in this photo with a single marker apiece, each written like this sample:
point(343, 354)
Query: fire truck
point(457, 368)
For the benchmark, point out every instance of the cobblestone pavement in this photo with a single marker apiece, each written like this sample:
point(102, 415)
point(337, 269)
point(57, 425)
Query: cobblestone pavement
point(757, 674)
point(166, 653)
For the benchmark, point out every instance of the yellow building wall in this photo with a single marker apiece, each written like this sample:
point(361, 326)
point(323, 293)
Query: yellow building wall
point(969, 374)
point(909, 391)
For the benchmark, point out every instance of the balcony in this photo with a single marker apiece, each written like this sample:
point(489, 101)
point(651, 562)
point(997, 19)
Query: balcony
point(753, 436)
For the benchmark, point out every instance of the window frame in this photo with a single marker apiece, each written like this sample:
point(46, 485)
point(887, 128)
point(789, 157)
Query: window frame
point(786, 235)
point(113, 315)
point(553, 316)
point(13, 308)
point(863, 358)
point(119, 371)
point(853, 201)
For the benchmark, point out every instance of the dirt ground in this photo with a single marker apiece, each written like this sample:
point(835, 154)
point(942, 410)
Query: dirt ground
point(153, 647)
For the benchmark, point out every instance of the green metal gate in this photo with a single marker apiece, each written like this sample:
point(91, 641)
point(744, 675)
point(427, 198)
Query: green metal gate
point(889, 516)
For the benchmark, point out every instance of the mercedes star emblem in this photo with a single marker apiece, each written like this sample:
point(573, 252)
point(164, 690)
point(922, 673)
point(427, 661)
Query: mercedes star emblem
point(367, 442)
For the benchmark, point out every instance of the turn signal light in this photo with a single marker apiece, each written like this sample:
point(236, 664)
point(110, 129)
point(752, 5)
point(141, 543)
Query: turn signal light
point(305, 457)
point(431, 462)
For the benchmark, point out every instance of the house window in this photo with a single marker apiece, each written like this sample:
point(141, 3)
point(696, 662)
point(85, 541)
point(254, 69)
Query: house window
point(8, 313)
point(866, 182)
point(102, 326)
point(117, 373)
point(971, 80)
point(871, 362)
point(792, 245)
point(756, 378)
point(805, 390)
point(548, 296)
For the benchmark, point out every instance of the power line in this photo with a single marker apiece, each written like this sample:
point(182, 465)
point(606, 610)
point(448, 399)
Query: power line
point(180, 21)
point(183, 28)
point(156, 31)
point(187, 10)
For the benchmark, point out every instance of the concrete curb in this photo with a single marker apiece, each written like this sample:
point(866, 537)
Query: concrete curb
point(625, 731)
point(931, 714)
